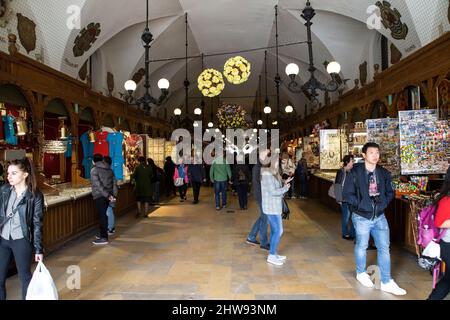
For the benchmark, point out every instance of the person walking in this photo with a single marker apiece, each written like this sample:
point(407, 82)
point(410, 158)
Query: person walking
point(288, 170)
point(112, 204)
point(197, 177)
point(261, 224)
point(347, 233)
point(302, 173)
point(272, 191)
point(368, 191)
point(220, 174)
point(142, 177)
point(182, 175)
point(104, 191)
point(169, 170)
point(155, 180)
point(21, 219)
point(241, 179)
point(442, 221)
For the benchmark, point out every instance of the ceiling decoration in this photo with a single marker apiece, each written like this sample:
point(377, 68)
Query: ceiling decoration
point(237, 70)
point(391, 19)
point(86, 39)
point(27, 32)
point(210, 83)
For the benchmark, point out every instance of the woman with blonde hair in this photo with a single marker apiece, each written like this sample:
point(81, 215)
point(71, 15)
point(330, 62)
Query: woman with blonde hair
point(273, 189)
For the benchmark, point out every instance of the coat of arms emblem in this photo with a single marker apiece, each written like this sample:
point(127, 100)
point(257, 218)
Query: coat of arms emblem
point(27, 32)
point(86, 39)
point(391, 19)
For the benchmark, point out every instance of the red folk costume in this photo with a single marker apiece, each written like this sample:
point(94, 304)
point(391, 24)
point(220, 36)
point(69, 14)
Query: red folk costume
point(101, 146)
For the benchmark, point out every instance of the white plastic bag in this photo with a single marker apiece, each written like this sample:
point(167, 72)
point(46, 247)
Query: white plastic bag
point(432, 250)
point(41, 285)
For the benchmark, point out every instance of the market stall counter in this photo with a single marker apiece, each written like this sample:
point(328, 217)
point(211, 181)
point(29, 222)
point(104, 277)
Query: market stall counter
point(72, 213)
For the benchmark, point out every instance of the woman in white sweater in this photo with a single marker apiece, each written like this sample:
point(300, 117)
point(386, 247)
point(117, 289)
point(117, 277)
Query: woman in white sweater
point(272, 191)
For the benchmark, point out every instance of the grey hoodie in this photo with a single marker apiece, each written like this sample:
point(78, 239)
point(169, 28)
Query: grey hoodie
point(104, 183)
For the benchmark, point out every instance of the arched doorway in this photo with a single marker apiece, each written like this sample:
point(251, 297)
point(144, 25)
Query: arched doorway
point(378, 110)
point(57, 124)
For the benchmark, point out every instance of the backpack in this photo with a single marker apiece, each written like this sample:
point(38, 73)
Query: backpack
point(427, 230)
point(429, 236)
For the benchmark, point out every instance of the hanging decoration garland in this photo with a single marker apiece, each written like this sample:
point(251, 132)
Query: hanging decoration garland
point(231, 117)
point(237, 70)
point(210, 83)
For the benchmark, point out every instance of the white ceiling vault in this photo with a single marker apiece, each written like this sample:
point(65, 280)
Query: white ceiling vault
point(339, 33)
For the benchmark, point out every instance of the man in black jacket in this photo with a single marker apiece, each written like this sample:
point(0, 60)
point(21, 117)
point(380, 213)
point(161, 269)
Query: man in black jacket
point(197, 176)
point(368, 191)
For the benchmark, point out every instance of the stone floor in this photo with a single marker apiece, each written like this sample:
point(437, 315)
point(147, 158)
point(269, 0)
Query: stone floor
point(186, 251)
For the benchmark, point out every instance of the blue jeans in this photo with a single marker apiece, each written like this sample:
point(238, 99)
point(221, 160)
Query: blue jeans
point(220, 187)
point(276, 230)
point(379, 229)
point(111, 220)
point(345, 217)
point(260, 226)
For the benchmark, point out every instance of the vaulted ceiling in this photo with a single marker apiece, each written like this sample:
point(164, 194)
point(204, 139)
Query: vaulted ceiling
point(339, 31)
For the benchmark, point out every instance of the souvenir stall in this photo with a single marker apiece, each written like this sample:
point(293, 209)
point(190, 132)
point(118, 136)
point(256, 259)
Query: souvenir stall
point(134, 148)
point(57, 146)
point(15, 127)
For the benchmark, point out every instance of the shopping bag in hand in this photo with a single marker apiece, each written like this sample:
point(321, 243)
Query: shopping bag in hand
point(41, 286)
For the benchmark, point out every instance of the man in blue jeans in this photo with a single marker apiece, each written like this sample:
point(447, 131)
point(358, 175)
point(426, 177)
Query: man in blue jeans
point(368, 191)
point(220, 174)
point(261, 223)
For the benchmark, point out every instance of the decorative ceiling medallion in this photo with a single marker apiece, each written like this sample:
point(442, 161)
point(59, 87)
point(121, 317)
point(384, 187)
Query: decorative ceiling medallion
point(110, 82)
point(86, 39)
point(391, 20)
point(83, 71)
point(27, 32)
point(6, 13)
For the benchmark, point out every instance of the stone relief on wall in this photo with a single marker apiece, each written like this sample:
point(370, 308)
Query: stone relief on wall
point(363, 73)
point(86, 39)
point(27, 32)
point(396, 55)
point(391, 19)
point(83, 71)
point(6, 13)
point(110, 82)
point(139, 75)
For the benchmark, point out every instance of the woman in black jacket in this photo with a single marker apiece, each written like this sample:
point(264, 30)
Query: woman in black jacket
point(347, 234)
point(21, 219)
point(241, 179)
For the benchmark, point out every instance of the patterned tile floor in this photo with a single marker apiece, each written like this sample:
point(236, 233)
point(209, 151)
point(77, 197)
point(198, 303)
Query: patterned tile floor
point(186, 251)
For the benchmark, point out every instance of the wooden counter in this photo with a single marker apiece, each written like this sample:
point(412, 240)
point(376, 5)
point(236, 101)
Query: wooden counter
point(68, 220)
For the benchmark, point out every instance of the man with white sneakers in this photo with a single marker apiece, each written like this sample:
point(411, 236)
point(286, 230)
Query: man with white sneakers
point(368, 191)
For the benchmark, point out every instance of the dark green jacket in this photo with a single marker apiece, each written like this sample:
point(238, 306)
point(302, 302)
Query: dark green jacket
point(143, 180)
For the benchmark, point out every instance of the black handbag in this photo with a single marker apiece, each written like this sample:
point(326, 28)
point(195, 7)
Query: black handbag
point(286, 211)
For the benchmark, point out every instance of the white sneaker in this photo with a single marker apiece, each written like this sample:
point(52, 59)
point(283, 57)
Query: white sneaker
point(282, 258)
point(364, 279)
point(393, 288)
point(274, 260)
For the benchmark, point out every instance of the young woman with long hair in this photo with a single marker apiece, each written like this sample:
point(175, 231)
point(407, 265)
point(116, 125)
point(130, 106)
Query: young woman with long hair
point(21, 219)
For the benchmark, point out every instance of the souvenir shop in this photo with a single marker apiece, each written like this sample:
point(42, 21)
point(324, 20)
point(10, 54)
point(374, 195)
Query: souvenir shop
point(414, 147)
